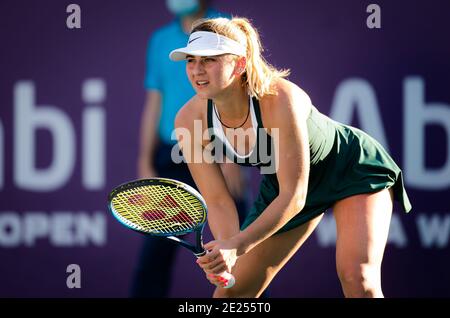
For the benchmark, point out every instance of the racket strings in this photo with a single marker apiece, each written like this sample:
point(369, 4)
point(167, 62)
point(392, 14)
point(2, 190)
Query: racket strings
point(158, 208)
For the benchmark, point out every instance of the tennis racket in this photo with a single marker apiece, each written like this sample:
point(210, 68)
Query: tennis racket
point(164, 208)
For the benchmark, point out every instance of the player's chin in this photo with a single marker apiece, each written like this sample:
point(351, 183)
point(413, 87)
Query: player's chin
point(205, 93)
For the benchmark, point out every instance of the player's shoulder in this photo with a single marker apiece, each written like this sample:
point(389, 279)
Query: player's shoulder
point(289, 97)
point(191, 111)
point(288, 91)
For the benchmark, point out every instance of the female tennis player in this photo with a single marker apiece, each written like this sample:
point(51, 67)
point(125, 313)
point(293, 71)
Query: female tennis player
point(319, 164)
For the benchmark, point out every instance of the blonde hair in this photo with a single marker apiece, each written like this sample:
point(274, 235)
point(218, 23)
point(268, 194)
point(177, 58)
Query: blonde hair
point(259, 75)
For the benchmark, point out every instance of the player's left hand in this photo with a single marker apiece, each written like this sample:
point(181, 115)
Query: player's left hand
point(221, 257)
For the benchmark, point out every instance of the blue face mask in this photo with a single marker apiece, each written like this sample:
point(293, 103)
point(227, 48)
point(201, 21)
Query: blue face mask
point(181, 8)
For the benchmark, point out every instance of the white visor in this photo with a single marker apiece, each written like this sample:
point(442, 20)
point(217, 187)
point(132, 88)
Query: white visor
point(203, 43)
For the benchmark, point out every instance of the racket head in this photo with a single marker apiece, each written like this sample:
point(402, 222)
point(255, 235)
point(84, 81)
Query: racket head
point(158, 206)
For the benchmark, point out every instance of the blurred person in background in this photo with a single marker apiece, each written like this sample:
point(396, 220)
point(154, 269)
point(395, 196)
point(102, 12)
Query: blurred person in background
point(152, 276)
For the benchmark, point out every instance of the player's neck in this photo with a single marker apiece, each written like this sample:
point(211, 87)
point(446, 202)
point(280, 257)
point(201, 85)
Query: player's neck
point(233, 105)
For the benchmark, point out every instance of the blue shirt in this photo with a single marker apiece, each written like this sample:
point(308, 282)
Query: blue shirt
point(169, 77)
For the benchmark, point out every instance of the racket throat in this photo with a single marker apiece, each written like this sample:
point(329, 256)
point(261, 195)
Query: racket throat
point(197, 249)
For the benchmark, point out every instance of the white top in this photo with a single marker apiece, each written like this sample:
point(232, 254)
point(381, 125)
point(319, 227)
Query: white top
point(219, 133)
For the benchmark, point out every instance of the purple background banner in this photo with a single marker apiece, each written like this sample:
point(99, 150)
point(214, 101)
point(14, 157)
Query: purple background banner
point(70, 107)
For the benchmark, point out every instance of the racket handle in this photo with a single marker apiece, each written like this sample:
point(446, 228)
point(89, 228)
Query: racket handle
point(226, 277)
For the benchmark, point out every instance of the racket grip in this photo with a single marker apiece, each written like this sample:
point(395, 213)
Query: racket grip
point(227, 278)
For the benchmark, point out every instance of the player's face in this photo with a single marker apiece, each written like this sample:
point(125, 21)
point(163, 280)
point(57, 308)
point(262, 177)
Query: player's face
point(210, 75)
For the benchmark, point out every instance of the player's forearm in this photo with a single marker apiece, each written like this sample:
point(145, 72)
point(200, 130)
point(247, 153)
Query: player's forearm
point(274, 217)
point(223, 220)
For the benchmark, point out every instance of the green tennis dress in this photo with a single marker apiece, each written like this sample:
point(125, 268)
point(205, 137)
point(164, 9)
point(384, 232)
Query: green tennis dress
point(344, 161)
